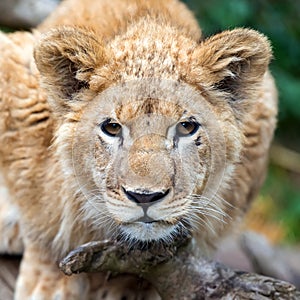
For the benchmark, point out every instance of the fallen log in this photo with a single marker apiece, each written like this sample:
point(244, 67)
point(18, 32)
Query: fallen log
point(176, 271)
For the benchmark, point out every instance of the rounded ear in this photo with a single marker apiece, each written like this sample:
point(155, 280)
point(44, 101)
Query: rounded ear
point(233, 61)
point(66, 58)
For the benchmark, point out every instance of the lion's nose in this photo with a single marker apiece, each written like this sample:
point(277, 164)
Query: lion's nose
point(142, 198)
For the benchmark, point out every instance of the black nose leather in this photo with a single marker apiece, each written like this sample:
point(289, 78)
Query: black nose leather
point(144, 197)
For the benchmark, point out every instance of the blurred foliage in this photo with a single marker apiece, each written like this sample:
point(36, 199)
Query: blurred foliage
point(283, 189)
point(6, 29)
point(276, 212)
point(279, 202)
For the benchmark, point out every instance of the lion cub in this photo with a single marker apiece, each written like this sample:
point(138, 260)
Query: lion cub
point(118, 120)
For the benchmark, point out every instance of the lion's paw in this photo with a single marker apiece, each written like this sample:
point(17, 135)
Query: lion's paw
point(51, 288)
point(40, 279)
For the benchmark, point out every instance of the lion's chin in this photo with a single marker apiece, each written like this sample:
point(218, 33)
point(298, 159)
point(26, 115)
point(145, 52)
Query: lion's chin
point(145, 234)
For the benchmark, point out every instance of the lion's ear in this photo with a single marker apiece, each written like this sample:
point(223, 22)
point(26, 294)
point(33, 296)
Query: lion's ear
point(66, 58)
point(233, 62)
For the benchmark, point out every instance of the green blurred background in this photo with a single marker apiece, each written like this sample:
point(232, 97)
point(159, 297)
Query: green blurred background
point(276, 212)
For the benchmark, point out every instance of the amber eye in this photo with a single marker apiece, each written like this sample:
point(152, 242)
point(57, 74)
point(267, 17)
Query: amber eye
point(186, 128)
point(111, 128)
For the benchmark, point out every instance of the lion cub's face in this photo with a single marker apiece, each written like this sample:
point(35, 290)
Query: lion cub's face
point(143, 157)
point(152, 156)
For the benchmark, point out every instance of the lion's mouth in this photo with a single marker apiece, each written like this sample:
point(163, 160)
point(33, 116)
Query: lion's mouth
point(153, 233)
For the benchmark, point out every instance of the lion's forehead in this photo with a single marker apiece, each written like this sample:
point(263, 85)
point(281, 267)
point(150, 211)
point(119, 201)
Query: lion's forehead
point(134, 109)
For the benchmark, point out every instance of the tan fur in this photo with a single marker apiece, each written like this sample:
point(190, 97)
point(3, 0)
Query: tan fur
point(144, 65)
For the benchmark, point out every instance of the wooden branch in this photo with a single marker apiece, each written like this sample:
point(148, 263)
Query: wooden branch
point(266, 259)
point(285, 158)
point(176, 271)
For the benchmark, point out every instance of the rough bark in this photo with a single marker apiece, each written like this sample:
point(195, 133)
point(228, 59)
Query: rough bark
point(177, 272)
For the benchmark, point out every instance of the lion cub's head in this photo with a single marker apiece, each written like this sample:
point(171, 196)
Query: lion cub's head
point(151, 128)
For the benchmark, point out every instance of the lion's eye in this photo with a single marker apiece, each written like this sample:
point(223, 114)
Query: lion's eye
point(186, 128)
point(111, 128)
